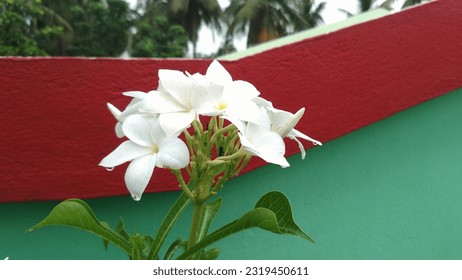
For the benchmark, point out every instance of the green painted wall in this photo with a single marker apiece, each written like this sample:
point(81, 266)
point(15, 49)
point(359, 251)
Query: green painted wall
point(392, 190)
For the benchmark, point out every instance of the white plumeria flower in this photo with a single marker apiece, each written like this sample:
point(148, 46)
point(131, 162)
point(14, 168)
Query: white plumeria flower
point(283, 123)
point(147, 147)
point(258, 139)
point(131, 108)
point(178, 100)
point(235, 99)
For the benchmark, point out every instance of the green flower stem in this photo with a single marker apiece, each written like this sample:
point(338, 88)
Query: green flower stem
point(212, 126)
point(234, 143)
point(198, 129)
point(182, 183)
point(243, 164)
point(218, 186)
point(236, 155)
point(196, 220)
point(189, 141)
point(215, 162)
point(188, 170)
point(219, 133)
point(221, 122)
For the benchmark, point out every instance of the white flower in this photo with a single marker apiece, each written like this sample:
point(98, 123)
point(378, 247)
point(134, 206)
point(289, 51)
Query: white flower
point(131, 108)
point(147, 147)
point(258, 139)
point(235, 98)
point(283, 123)
point(178, 100)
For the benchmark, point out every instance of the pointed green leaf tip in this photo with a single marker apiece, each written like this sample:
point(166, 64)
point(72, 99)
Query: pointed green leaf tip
point(76, 213)
point(272, 212)
point(278, 203)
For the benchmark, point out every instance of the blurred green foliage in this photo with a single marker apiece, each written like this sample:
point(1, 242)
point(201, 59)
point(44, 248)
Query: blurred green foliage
point(19, 31)
point(95, 28)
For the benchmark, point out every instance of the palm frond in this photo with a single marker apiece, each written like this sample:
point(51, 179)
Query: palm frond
point(388, 4)
point(409, 3)
point(53, 16)
point(347, 13)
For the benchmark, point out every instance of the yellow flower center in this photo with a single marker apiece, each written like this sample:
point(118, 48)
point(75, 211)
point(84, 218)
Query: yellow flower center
point(155, 149)
point(222, 105)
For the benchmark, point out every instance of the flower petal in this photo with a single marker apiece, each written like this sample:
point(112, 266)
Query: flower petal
point(298, 134)
point(176, 83)
point(157, 133)
point(217, 74)
point(118, 130)
point(138, 129)
point(173, 123)
point(238, 91)
point(213, 90)
point(260, 125)
point(160, 102)
point(173, 153)
point(260, 101)
point(114, 111)
point(126, 151)
point(271, 141)
point(135, 94)
point(245, 110)
point(269, 146)
point(283, 122)
point(240, 125)
point(201, 99)
point(273, 157)
point(300, 146)
point(131, 109)
point(138, 174)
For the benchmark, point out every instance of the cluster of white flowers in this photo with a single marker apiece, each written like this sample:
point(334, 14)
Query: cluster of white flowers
point(153, 121)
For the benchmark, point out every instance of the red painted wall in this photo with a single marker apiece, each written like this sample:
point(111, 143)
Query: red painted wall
point(55, 127)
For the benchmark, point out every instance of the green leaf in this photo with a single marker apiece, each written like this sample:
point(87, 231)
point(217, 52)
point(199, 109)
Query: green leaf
point(121, 229)
point(76, 213)
point(209, 211)
point(208, 214)
point(105, 242)
point(141, 245)
point(272, 213)
point(177, 244)
point(280, 205)
point(167, 224)
point(211, 254)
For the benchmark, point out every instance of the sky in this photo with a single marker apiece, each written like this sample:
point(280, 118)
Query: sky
point(209, 43)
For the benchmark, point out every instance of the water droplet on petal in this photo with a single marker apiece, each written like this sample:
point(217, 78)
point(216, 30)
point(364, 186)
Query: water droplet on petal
point(110, 168)
point(136, 198)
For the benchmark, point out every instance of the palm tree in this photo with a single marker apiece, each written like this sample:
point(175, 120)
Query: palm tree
point(269, 19)
point(366, 5)
point(148, 10)
point(58, 12)
point(408, 3)
point(311, 14)
point(192, 13)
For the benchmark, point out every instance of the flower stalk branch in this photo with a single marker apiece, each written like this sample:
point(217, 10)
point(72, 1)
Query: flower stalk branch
point(182, 183)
